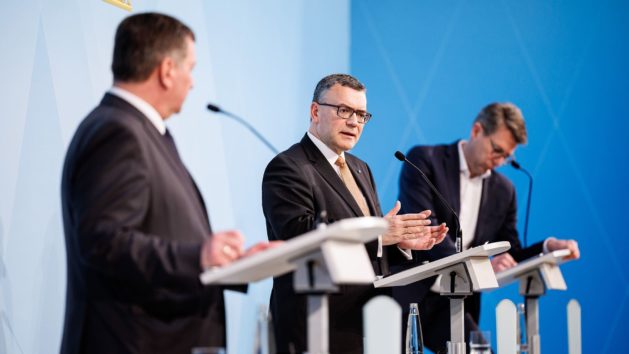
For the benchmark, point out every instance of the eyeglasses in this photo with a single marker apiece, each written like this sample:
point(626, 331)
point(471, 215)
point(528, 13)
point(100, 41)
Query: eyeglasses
point(499, 152)
point(346, 113)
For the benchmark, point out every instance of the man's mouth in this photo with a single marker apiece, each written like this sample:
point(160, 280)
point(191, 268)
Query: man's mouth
point(348, 134)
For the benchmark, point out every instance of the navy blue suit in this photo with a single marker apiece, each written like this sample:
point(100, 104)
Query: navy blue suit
point(496, 222)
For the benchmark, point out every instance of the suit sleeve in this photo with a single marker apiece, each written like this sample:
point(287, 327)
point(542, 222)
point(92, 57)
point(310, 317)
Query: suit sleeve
point(416, 196)
point(109, 199)
point(287, 199)
point(508, 232)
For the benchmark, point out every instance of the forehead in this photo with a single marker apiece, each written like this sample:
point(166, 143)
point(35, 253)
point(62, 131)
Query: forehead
point(338, 94)
point(504, 138)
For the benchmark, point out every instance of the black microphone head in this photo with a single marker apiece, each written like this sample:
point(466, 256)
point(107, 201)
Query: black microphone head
point(213, 108)
point(515, 164)
point(400, 156)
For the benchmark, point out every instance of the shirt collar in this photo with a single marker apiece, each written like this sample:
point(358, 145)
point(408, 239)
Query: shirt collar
point(328, 153)
point(141, 105)
point(463, 163)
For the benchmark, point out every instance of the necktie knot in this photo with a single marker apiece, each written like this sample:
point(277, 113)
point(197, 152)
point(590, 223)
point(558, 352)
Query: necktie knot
point(340, 162)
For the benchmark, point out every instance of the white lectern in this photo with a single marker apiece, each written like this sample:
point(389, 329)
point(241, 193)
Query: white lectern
point(536, 275)
point(321, 259)
point(461, 274)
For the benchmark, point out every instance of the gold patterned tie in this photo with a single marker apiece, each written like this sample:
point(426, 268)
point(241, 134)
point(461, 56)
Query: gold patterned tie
point(350, 183)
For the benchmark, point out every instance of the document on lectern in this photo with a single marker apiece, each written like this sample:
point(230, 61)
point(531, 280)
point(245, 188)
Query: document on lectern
point(335, 238)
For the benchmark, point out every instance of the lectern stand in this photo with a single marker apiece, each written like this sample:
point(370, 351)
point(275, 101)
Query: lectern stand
point(536, 275)
point(321, 259)
point(461, 274)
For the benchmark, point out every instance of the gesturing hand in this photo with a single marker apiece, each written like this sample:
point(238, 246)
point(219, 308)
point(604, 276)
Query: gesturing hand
point(412, 231)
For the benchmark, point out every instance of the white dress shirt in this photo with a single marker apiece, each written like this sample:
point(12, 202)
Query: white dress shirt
point(141, 105)
point(470, 193)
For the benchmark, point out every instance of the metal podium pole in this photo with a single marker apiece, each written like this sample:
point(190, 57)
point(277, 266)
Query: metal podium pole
point(313, 279)
point(457, 285)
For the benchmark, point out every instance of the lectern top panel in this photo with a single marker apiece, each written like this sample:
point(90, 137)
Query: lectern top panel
point(512, 274)
point(433, 268)
point(280, 260)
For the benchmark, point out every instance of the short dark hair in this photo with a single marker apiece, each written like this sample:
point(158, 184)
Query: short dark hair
point(495, 114)
point(344, 80)
point(143, 41)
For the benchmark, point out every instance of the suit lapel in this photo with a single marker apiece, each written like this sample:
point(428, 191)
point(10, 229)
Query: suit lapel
point(483, 212)
point(451, 167)
point(151, 132)
point(326, 171)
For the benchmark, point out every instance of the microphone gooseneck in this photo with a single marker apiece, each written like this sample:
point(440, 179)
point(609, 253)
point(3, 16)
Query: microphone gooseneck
point(518, 167)
point(216, 109)
point(459, 233)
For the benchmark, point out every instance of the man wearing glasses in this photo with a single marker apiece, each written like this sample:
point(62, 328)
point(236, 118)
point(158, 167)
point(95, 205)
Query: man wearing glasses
point(315, 175)
point(485, 201)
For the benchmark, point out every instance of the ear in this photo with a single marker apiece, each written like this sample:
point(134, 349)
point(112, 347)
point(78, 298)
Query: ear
point(314, 112)
point(477, 129)
point(165, 72)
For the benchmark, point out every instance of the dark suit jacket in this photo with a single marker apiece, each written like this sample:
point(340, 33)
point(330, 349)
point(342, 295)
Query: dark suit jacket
point(496, 217)
point(298, 184)
point(134, 225)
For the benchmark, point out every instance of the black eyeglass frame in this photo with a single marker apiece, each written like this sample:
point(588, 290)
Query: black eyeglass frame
point(499, 152)
point(361, 116)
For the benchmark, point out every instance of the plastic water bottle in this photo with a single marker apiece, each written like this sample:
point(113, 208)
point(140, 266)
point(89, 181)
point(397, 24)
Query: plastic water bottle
point(523, 347)
point(414, 340)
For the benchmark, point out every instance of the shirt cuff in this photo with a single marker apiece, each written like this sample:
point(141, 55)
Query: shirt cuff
point(408, 254)
point(546, 250)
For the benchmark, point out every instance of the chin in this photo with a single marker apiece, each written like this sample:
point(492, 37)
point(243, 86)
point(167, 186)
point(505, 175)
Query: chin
point(346, 146)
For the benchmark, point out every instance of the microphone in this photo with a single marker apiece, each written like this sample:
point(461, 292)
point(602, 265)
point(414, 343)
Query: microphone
point(216, 109)
point(517, 166)
point(459, 233)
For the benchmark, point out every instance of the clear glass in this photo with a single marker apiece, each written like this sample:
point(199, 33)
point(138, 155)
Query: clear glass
point(480, 342)
point(208, 350)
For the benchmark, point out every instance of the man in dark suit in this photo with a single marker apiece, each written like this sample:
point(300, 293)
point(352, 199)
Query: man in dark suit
point(315, 175)
point(137, 232)
point(485, 201)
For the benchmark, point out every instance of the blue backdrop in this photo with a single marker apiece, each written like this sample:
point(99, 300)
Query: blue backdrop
point(430, 66)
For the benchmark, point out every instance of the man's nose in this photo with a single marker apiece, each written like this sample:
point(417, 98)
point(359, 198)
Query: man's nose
point(353, 119)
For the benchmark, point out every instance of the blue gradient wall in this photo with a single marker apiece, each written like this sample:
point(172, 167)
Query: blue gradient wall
point(256, 59)
point(431, 65)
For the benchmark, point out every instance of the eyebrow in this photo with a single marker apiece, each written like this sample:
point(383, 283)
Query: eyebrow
point(348, 106)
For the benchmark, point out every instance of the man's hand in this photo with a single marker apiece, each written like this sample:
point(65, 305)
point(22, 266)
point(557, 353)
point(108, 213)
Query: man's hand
point(554, 244)
point(261, 246)
point(437, 234)
point(221, 248)
point(225, 247)
point(502, 262)
point(412, 230)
